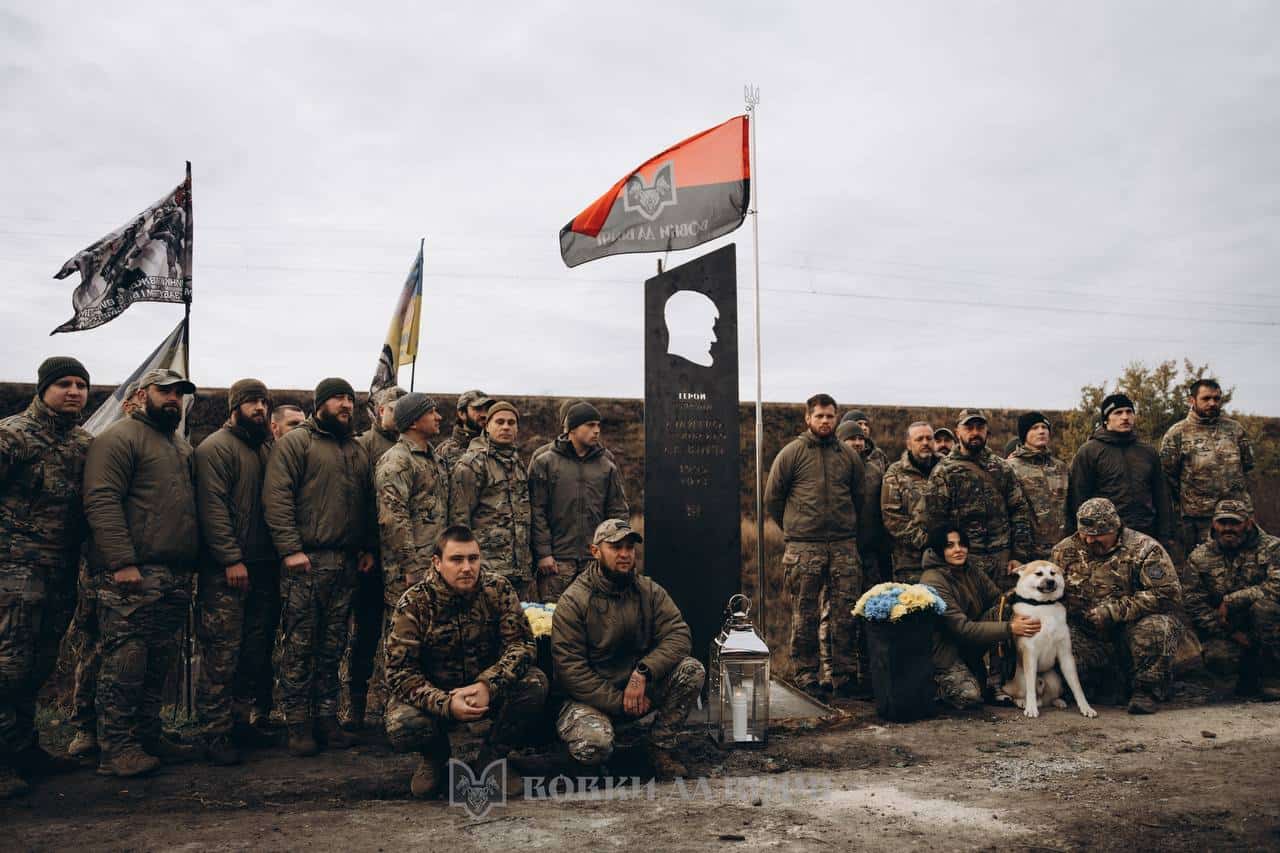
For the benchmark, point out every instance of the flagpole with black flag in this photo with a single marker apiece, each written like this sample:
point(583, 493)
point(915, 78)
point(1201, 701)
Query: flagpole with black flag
point(751, 94)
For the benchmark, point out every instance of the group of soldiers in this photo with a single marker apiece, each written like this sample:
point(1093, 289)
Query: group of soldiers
point(1164, 564)
point(288, 529)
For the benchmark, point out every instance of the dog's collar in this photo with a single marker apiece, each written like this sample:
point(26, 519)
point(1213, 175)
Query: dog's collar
point(1013, 598)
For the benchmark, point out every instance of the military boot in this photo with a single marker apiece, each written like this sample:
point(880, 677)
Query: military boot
point(331, 735)
point(513, 781)
point(665, 764)
point(84, 743)
point(429, 775)
point(128, 762)
point(1142, 702)
point(221, 752)
point(171, 751)
point(11, 784)
point(302, 743)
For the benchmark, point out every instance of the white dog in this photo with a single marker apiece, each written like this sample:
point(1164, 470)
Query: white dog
point(1038, 595)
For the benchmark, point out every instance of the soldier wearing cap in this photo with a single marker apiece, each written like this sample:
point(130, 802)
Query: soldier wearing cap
point(621, 647)
point(1206, 458)
point(1233, 598)
point(944, 440)
point(1043, 478)
point(472, 415)
point(238, 595)
point(1122, 599)
point(572, 488)
point(318, 502)
point(460, 650)
point(1115, 465)
point(412, 489)
point(140, 502)
point(901, 492)
point(976, 491)
point(42, 458)
point(870, 452)
point(489, 493)
point(367, 607)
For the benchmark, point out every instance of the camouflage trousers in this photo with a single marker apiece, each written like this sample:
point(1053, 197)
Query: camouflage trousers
point(811, 569)
point(314, 608)
point(365, 638)
point(958, 686)
point(409, 729)
point(591, 734)
point(84, 645)
point(996, 566)
point(31, 627)
point(235, 630)
point(140, 645)
point(551, 587)
point(1141, 652)
point(1260, 622)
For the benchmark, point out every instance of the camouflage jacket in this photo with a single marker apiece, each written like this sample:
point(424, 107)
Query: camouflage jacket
point(570, 495)
point(1044, 484)
point(229, 473)
point(901, 494)
point(1238, 578)
point(989, 506)
point(376, 441)
point(456, 445)
point(140, 498)
point(600, 630)
point(413, 509)
point(440, 640)
point(489, 492)
point(816, 489)
point(318, 494)
point(1134, 580)
point(1205, 461)
point(42, 457)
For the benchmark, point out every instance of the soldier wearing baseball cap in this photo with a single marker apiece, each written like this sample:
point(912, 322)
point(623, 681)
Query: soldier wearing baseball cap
point(472, 414)
point(1233, 598)
point(1122, 597)
point(164, 377)
point(943, 441)
point(621, 649)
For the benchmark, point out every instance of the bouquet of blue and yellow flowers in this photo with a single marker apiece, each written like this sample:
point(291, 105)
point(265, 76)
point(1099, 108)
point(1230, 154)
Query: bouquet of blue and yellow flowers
point(889, 602)
point(539, 616)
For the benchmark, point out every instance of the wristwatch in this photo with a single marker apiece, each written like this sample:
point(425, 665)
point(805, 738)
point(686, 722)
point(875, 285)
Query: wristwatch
point(643, 669)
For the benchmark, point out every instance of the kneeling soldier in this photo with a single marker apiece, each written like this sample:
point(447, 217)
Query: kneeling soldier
point(1234, 597)
point(621, 650)
point(459, 650)
point(1122, 600)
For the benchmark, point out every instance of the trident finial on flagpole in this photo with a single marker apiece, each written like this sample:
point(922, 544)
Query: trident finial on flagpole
point(751, 94)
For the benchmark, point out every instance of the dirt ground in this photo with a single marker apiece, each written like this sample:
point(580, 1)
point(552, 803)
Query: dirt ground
point(1197, 776)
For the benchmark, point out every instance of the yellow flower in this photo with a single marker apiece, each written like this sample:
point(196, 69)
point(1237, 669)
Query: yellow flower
point(899, 610)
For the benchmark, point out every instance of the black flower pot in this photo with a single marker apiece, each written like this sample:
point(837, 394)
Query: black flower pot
point(900, 657)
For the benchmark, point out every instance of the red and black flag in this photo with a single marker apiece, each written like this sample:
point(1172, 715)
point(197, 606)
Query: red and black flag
point(693, 192)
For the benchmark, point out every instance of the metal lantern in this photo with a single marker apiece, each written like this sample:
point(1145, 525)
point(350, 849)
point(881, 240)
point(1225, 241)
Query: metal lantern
point(738, 685)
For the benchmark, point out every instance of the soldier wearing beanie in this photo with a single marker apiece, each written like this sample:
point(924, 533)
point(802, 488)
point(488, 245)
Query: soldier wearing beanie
point(1115, 465)
point(42, 458)
point(1043, 478)
point(239, 590)
point(318, 501)
point(412, 487)
point(489, 492)
point(573, 487)
point(472, 413)
point(873, 454)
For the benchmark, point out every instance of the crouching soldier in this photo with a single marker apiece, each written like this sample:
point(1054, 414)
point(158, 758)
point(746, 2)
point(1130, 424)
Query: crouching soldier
point(1122, 599)
point(1234, 598)
point(621, 650)
point(460, 650)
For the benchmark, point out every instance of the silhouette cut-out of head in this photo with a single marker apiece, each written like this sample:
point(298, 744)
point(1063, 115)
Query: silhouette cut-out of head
point(691, 326)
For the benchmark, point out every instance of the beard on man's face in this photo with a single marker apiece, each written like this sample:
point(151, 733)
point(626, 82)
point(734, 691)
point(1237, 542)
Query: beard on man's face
point(975, 442)
point(167, 416)
point(256, 428)
point(334, 424)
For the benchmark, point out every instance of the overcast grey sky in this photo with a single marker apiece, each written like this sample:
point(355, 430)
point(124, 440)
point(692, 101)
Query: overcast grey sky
point(978, 202)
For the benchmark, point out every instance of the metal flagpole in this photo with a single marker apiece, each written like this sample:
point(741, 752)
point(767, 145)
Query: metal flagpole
point(189, 629)
point(751, 94)
point(417, 315)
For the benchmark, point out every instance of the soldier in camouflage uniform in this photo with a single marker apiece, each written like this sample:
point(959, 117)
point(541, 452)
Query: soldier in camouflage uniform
point(140, 502)
point(975, 490)
point(901, 494)
point(1233, 598)
point(460, 650)
point(239, 584)
point(42, 456)
point(489, 493)
point(1043, 478)
point(473, 414)
point(1122, 597)
point(620, 649)
point(815, 493)
point(871, 453)
point(944, 441)
point(1205, 458)
point(367, 616)
point(412, 490)
point(318, 502)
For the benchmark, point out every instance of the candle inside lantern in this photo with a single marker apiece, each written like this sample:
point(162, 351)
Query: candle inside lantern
point(738, 705)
